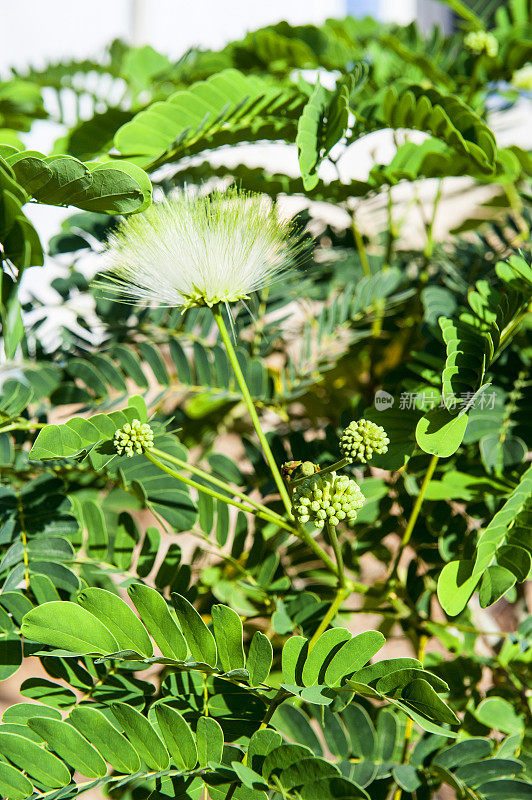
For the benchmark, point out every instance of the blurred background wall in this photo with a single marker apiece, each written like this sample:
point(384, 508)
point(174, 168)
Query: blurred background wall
point(40, 32)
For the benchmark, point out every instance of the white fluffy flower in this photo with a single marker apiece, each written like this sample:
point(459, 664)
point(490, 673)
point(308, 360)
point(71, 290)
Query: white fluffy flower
point(200, 251)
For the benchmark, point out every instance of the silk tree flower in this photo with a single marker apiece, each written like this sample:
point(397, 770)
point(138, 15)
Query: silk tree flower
point(200, 251)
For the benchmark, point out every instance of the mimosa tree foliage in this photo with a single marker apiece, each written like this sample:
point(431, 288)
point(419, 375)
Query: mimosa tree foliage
point(198, 505)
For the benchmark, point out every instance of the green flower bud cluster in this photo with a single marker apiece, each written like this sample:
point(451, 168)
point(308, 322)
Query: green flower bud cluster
point(133, 438)
point(360, 440)
point(522, 78)
point(327, 498)
point(482, 42)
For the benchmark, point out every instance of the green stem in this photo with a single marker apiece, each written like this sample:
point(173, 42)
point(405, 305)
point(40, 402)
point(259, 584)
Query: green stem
point(333, 468)
point(274, 703)
point(212, 493)
point(415, 513)
point(27, 426)
point(331, 530)
point(466, 13)
point(341, 593)
point(205, 696)
point(392, 233)
point(317, 550)
point(361, 248)
point(224, 333)
point(214, 480)
point(409, 724)
point(429, 248)
point(343, 590)
point(473, 81)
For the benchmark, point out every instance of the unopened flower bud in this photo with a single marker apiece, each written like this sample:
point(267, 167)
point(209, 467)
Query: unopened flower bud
point(360, 440)
point(480, 42)
point(522, 78)
point(308, 469)
point(133, 438)
point(340, 498)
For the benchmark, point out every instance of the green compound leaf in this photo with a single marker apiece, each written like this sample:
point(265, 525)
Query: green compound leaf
point(205, 115)
point(156, 616)
point(210, 741)
point(20, 713)
point(494, 584)
point(294, 724)
point(39, 764)
point(15, 397)
point(78, 434)
point(280, 758)
point(108, 187)
point(260, 659)
point(294, 768)
point(402, 677)
point(117, 617)
point(501, 789)
point(177, 736)
point(142, 736)
point(148, 552)
point(463, 753)
point(353, 655)
point(116, 188)
point(498, 713)
point(107, 739)
point(306, 770)
point(421, 696)
point(13, 784)
point(406, 777)
point(261, 743)
point(293, 657)
point(333, 789)
point(321, 125)
point(444, 116)
point(320, 655)
point(228, 633)
point(456, 584)
point(45, 691)
point(374, 672)
point(473, 341)
point(477, 773)
point(200, 640)
point(67, 626)
point(249, 777)
point(71, 746)
point(509, 527)
point(422, 720)
point(439, 433)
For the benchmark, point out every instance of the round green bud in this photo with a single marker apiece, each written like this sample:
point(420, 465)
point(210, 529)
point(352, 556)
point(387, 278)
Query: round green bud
point(482, 42)
point(340, 498)
point(307, 469)
point(522, 78)
point(134, 438)
point(361, 439)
